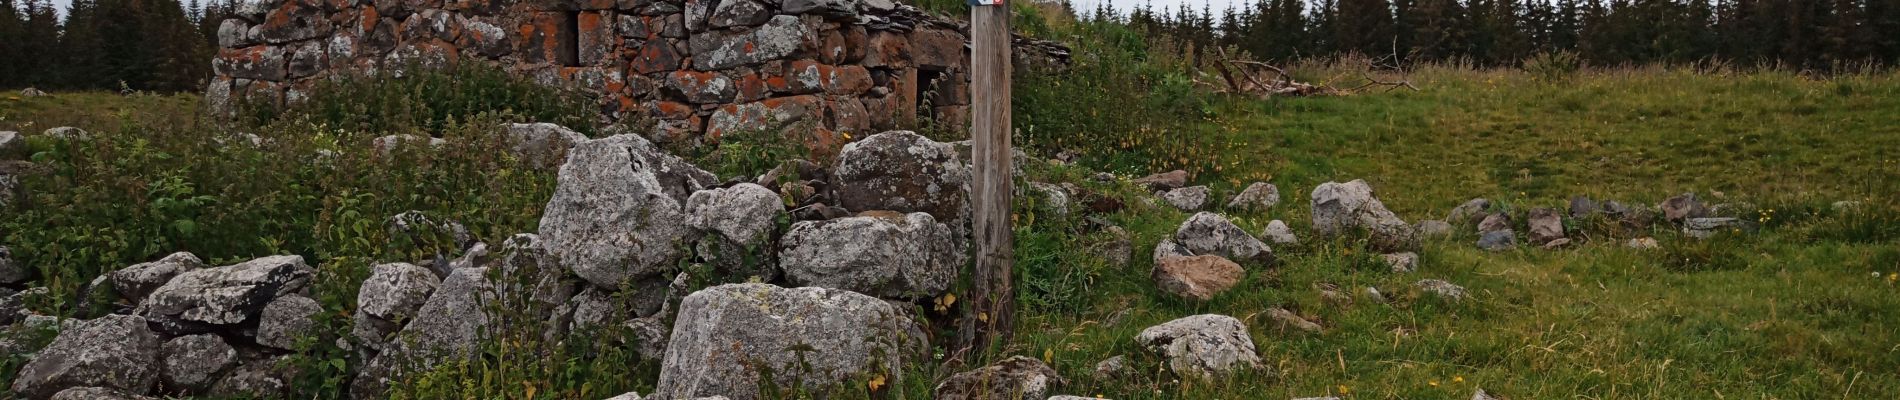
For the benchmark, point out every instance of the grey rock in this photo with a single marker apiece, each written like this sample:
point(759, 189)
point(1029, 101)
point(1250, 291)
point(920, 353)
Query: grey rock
point(616, 212)
point(284, 319)
point(226, 295)
point(1340, 207)
point(745, 213)
point(114, 351)
point(235, 33)
point(1111, 368)
point(12, 307)
point(256, 378)
point(1169, 249)
point(1257, 196)
point(904, 172)
point(884, 255)
point(1583, 207)
point(1434, 228)
point(626, 396)
point(1053, 196)
point(1190, 198)
point(1470, 209)
point(1557, 244)
point(420, 228)
point(1642, 243)
point(1289, 319)
point(1203, 346)
point(193, 362)
point(830, 7)
point(386, 145)
point(1703, 228)
point(96, 393)
point(139, 280)
point(1016, 377)
point(735, 13)
point(1494, 222)
point(67, 133)
point(1481, 395)
point(1279, 233)
point(10, 141)
point(32, 92)
point(11, 272)
point(1072, 397)
point(728, 339)
point(1498, 240)
point(543, 144)
point(1401, 262)
point(1682, 207)
point(453, 321)
point(1442, 289)
point(779, 38)
point(1197, 277)
point(1373, 293)
point(1164, 181)
point(1119, 250)
point(391, 295)
point(1546, 225)
point(1210, 233)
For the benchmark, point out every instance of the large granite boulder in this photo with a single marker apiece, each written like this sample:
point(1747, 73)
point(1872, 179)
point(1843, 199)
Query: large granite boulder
point(616, 212)
point(728, 339)
point(1209, 233)
point(1203, 346)
point(739, 225)
point(228, 295)
point(114, 351)
point(904, 172)
point(882, 254)
point(1342, 207)
point(1012, 378)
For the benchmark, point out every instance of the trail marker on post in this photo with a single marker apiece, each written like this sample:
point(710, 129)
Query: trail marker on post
point(991, 314)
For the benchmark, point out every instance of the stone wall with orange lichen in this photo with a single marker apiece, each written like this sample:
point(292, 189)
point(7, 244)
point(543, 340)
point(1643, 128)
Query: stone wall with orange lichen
point(697, 68)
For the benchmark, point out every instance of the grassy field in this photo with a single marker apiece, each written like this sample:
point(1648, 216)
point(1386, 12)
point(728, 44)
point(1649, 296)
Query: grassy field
point(1806, 308)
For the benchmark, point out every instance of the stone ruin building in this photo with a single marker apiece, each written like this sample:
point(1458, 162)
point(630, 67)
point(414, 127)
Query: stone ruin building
point(698, 68)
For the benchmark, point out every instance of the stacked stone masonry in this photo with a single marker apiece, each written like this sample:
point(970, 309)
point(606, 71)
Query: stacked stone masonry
point(696, 67)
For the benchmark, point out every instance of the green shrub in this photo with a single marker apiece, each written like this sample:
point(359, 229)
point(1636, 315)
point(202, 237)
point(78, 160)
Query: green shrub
point(423, 101)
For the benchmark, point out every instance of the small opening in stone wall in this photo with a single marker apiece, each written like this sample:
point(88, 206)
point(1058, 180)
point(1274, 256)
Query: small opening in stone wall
point(927, 81)
point(569, 52)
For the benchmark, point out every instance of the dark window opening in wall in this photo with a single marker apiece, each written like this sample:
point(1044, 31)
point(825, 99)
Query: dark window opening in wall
point(568, 37)
point(926, 101)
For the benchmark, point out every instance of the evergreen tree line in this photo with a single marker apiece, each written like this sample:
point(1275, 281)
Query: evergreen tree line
point(1808, 34)
point(158, 45)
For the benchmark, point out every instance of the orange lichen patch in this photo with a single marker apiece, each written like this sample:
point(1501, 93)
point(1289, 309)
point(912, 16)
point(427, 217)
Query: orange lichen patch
point(654, 56)
point(672, 110)
point(751, 87)
point(847, 80)
point(368, 21)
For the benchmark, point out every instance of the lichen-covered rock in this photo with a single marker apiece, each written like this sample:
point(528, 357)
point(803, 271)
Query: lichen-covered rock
point(96, 393)
point(1210, 233)
point(1434, 228)
point(284, 319)
point(1164, 181)
point(1401, 262)
point(1494, 222)
point(881, 254)
point(728, 339)
point(193, 362)
point(114, 351)
point(1167, 249)
point(226, 295)
point(904, 172)
point(1288, 319)
point(1683, 207)
point(1440, 288)
point(448, 326)
point(1203, 346)
point(1196, 277)
point(67, 133)
point(1257, 196)
point(745, 213)
point(1186, 199)
point(1053, 196)
point(1471, 209)
point(1703, 228)
point(735, 13)
point(392, 293)
point(778, 38)
point(1279, 233)
point(1583, 207)
point(616, 212)
point(260, 378)
point(1110, 368)
point(1642, 243)
point(387, 144)
point(543, 144)
point(1012, 378)
point(139, 280)
point(11, 272)
point(1340, 207)
point(1546, 225)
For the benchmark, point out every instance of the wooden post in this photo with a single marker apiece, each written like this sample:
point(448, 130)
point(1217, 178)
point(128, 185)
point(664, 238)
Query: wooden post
point(992, 312)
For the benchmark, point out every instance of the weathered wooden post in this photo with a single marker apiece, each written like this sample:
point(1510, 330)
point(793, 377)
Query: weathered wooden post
point(991, 312)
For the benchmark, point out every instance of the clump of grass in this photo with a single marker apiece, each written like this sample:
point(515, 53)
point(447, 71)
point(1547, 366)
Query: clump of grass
point(419, 101)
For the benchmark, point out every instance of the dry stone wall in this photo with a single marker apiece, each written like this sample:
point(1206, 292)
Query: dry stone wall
point(700, 68)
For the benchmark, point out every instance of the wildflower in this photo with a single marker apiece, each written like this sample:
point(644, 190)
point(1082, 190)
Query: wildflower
point(1876, 274)
point(1344, 390)
point(1433, 383)
point(1458, 379)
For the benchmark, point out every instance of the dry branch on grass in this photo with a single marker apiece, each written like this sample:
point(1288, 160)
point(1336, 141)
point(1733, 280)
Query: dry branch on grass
point(1266, 80)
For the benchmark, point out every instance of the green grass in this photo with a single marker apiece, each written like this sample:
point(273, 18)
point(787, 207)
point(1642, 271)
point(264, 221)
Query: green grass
point(1793, 311)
